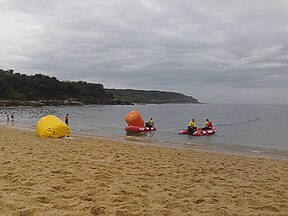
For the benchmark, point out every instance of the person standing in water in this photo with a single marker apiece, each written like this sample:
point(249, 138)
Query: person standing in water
point(8, 118)
point(12, 119)
point(66, 119)
point(192, 127)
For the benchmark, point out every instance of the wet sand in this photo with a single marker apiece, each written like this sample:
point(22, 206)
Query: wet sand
point(94, 176)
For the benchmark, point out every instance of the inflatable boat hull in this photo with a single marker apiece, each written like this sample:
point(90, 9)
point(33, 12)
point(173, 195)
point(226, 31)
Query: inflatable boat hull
point(137, 129)
point(200, 132)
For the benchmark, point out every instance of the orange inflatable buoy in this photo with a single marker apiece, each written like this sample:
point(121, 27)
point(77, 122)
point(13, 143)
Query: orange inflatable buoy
point(134, 118)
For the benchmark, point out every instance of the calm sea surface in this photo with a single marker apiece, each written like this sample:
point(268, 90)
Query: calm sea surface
point(244, 128)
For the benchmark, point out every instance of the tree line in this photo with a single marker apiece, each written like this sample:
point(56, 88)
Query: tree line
point(16, 86)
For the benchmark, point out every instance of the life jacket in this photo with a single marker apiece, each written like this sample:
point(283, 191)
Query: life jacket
point(210, 125)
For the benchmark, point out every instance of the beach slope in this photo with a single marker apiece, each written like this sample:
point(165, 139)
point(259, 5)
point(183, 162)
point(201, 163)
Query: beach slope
point(91, 176)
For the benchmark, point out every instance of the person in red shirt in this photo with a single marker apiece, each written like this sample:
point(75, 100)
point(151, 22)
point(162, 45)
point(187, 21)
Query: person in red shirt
point(208, 125)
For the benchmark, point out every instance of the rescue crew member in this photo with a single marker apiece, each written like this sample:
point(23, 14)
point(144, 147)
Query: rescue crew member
point(208, 124)
point(150, 123)
point(192, 127)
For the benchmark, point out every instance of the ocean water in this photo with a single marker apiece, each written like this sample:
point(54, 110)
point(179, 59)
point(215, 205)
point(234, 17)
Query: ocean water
point(245, 128)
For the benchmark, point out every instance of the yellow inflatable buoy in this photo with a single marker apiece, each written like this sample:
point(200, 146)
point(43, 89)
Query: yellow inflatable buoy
point(52, 126)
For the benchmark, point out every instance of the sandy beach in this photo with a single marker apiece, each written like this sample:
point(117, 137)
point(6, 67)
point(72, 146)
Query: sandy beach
point(93, 176)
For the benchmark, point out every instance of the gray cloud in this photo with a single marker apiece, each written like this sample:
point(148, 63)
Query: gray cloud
point(226, 51)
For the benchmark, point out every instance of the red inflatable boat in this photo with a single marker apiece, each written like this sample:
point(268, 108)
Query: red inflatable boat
point(137, 129)
point(199, 132)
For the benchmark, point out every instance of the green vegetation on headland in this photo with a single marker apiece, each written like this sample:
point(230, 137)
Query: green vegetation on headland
point(20, 87)
point(150, 97)
point(41, 90)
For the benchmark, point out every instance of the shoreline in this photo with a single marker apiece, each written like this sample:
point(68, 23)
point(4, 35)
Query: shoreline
point(95, 176)
point(237, 138)
point(281, 154)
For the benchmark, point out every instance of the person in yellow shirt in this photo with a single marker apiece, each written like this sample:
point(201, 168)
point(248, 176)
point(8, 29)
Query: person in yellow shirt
point(150, 123)
point(192, 127)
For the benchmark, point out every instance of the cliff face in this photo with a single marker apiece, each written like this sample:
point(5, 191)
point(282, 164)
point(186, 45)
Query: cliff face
point(150, 97)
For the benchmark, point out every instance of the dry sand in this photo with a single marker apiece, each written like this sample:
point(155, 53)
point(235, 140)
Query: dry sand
point(90, 176)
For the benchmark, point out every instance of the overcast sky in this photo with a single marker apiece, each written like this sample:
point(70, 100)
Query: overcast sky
point(221, 51)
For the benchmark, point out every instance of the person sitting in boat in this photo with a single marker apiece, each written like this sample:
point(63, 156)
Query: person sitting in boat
point(150, 123)
point(208, 125)
point(192, 127)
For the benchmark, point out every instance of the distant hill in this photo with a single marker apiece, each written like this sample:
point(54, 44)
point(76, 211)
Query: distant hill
point(150, 97)
point(41, 90)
